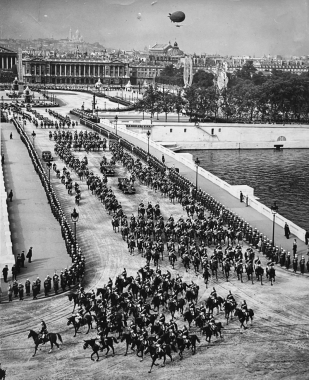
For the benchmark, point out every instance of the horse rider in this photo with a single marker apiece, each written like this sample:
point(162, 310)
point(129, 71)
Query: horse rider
point(192, 307)
point(230, 298)
point(110, 283)
point(212, 324)
point(162, 319)
point(185, 334)
point(244, 307)
point(79, 315)
point(213, 294)
point(43, 331)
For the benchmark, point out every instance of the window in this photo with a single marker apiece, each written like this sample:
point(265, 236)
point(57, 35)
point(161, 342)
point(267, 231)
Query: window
point(219, 130)
point(171, 130)
point(185, 130)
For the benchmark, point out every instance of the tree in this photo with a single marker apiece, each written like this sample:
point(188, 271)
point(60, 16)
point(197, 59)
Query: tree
point(203, 79)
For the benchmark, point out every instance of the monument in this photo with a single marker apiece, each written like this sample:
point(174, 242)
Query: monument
point(188, 71)
point(21, 84)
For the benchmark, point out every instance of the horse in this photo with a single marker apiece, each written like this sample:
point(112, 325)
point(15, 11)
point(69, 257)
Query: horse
point(129, 341)
point(228, 310)
point(85, 320)
point(193, 339)
point(188, 316)
point(172, 305)
point(165, 351)
point(50, 337)
point(226, 270)
point(75, 298)
point(259, 271)
point(108, 342)
point(271, 274)
point(95, 347)
point(239, 271)
point(211, 303)
point(2, 374)
point(242, 316)
point(209, 331)
point(249, 270)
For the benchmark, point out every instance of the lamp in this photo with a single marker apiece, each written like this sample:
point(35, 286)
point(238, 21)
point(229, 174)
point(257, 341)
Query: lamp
point(197, 162)
point(274, 209)
point(148, 135)
point(74, 218)
point(116, 121)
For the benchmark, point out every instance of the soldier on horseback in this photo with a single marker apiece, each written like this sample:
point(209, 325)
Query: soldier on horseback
point(230, 298)
point(43, 331)
point(213, 294)
point(244, 308)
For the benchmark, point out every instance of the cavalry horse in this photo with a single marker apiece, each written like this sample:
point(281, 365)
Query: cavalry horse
point(244, 317)
point(50, 337)
point(85, 320)
point(165, 351)
point(271, 274)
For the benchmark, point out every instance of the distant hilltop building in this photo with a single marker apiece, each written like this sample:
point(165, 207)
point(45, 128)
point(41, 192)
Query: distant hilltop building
point(77, 37)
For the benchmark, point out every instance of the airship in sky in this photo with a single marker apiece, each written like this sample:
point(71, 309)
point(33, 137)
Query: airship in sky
point(178, 16)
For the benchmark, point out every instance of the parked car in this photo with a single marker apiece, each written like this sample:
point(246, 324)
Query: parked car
point(47, 156)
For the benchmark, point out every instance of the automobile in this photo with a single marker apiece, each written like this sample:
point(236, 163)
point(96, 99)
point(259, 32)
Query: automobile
point(107, 170)
point(125, 186)
point(47, 156)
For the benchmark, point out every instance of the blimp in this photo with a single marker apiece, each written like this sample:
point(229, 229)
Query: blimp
point(177, 16)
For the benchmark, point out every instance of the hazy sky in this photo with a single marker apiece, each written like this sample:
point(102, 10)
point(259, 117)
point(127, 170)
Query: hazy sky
point(211, 26)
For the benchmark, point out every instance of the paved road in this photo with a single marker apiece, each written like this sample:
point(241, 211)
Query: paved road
point(253, 217)
point(31, 220)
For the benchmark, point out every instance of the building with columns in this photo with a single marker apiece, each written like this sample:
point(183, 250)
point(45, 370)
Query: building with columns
point(75, 71)
point(8, 58)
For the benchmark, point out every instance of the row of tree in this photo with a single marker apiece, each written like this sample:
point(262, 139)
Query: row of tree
point(250, 96)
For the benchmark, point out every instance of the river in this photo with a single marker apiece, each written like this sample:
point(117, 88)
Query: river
point(281, 176)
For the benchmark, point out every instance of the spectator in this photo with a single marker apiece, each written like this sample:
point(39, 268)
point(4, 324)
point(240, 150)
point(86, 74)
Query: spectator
point(27, 286)
point(18, 263)
point(2, 159)
point(15, 288)
point(29, 255)
point(294, 247)
point(14, 272)
point(10, 195)
point(34, 290)
point(22, 259)
point(10, 293)
point(307, 237)
point(21, 291)
point(46, 286)
point(5, 271)
point(287, 230)
point(38, 282)
point(241, 197)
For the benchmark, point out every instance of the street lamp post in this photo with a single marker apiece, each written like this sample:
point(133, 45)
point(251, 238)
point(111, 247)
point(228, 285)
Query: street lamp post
point(74, 218)
point(274, 209)
point(49, 165)
point(116, 121)
point(197, 162)
point(148, 135)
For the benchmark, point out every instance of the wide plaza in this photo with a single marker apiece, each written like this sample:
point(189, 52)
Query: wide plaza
point(275, 346)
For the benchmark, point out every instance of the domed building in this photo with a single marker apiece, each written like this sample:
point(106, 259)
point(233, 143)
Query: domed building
point(166, 53)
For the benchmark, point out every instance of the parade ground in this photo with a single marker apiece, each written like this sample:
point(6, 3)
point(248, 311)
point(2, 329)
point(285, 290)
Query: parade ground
point(275, 345)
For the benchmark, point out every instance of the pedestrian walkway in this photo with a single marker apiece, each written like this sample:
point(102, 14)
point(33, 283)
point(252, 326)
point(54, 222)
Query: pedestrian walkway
point(251, 216)
point(31, 222)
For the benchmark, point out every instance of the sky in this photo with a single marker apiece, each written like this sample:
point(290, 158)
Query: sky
point(226, 27)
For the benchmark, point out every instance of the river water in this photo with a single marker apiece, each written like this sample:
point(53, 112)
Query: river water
point(281, 176)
